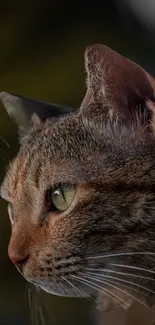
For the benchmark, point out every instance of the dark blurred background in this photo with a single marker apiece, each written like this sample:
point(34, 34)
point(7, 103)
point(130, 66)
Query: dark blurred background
point(41, 56)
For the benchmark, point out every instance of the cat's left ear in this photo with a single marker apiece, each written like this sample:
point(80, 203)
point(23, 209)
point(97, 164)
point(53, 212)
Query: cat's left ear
point(24, 110)
point(117, 85)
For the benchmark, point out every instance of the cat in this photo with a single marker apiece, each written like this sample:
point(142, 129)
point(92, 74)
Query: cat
point(81, 190)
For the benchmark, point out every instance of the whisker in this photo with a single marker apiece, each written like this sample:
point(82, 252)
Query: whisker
point(130, 295)
point(97, 287)
point(120, 254)
point(41, 316)
point(49, 314)
point(44, 314)
point(121, 273)
point(115, 287)
point(125, 286)
point(28, 295)
point(76, 289)
point(36, 313)
point(149, 256)
point(5, 142)
point(133, 267)
point(125, 281)
point(36, 304)
point(32, 305)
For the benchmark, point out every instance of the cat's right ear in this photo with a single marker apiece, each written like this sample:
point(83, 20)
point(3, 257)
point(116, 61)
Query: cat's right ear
point(24, 110)
point(118, 87)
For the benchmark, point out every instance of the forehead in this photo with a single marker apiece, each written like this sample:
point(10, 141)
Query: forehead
point(70, 150)
point(34, 171)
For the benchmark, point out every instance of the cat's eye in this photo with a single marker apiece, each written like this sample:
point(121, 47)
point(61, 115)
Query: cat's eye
point(62, 197)
point(10, 212)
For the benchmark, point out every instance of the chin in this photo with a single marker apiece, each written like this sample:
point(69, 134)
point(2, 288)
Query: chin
point(63, 289)
point(57, 289)
point(59, 292)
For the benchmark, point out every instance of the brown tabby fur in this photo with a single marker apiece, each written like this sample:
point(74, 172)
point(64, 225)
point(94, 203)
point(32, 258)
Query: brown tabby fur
point(107, 149)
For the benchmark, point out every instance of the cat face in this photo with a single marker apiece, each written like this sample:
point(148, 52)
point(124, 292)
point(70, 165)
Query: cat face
point(81, 191)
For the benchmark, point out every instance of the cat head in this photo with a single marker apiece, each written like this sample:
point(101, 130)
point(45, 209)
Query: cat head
point(81, 191)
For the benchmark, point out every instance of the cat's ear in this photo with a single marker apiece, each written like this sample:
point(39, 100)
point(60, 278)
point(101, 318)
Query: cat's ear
point(115, 84)
point(24, 110)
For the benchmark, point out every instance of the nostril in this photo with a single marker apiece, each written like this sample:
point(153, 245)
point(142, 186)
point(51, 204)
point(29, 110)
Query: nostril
point(21, 262)
point(17, 258)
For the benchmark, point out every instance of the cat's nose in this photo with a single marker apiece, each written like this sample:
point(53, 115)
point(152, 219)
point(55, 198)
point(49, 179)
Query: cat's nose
point(17, 258)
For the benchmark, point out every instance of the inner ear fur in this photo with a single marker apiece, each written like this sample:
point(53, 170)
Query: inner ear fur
point(114, 83)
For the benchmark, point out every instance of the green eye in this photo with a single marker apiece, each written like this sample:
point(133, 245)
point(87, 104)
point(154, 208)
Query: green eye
point(62, 197)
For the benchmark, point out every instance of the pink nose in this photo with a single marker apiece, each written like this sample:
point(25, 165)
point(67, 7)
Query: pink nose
point(18, 258)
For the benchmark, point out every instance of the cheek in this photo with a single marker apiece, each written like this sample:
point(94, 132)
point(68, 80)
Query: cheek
point(51, 241)
point(63, 232)
point(57, 239)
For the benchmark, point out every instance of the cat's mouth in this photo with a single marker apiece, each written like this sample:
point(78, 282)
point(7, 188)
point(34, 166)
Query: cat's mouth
point(64, 288)
point(68, 286)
